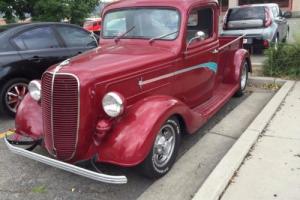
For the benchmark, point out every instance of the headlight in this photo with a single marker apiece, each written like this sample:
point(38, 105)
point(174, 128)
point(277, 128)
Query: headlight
point(113, 104)
point(34, 88)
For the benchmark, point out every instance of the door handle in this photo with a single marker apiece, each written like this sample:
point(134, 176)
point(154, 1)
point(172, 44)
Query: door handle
point(36, 59)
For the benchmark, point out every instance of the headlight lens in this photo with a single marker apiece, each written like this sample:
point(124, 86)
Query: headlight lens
point(113, 104)
point(34, 88)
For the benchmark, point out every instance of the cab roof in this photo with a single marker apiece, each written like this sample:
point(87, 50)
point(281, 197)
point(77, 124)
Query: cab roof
point(179, 4)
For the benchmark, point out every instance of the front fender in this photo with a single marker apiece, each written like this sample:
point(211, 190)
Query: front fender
point(133, 135)
point(28, 120)
point(233, 75)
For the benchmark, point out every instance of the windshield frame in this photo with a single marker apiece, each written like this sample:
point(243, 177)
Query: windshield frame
point(144, 7)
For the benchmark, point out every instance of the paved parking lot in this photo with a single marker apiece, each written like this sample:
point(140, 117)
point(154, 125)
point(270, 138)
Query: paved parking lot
point(21, 178)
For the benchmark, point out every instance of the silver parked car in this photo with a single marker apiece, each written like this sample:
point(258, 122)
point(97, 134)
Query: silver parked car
point(262, 24)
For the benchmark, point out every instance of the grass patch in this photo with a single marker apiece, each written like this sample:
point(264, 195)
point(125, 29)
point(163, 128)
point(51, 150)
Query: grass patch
point(283, 62)
point(39, 189)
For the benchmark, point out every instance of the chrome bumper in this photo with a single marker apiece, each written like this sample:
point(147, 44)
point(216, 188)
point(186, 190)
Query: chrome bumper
point(66, 166)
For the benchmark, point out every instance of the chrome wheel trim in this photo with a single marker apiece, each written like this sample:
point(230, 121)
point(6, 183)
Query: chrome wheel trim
point(276, 43)
point(244, 77)
point(14, 95)
point(164, 145)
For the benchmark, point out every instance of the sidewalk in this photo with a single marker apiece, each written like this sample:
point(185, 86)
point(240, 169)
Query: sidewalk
point(272, 170)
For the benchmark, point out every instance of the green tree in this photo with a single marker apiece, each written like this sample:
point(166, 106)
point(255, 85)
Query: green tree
point(50, 10)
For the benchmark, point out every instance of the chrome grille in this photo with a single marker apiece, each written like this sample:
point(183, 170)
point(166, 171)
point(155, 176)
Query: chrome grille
point(60, 106)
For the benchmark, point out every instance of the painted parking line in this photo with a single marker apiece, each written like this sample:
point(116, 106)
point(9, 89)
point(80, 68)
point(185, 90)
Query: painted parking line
point(7, 133)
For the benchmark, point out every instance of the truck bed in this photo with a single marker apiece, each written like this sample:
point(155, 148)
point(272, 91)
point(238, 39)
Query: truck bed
point(230, 42)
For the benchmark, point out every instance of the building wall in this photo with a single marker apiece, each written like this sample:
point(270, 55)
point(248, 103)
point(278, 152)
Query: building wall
point(296, 5)
point(2, 21)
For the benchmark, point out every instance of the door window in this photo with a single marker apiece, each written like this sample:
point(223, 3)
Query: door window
point(75, 37)
point(38, 38)
point(200, 20)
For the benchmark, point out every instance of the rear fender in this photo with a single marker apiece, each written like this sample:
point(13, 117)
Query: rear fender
point(29, 118)
point(240, 56)
point(133, 135)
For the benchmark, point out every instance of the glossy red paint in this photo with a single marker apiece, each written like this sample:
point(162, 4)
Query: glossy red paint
point(191, 82)
point(28, 120)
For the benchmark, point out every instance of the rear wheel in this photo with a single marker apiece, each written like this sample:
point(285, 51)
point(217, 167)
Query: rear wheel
point(164, 151)
point(286, 36)
point(243, 80)
point(11, 95)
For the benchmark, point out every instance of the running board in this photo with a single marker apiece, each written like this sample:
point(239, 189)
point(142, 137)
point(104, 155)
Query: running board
point(221, 95)
point(66, 166)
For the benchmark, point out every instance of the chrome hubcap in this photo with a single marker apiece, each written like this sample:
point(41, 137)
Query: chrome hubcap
point(244, 77)
point(15, 95)
point(164, 145)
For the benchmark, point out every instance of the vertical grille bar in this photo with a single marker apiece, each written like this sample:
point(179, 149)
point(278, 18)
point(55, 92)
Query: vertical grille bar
point(60, 114)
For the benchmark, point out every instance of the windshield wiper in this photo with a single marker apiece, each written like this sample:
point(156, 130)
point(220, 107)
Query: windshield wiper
point(161, 36)
point(123, 34)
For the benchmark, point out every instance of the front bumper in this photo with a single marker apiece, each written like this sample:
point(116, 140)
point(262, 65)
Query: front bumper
point(66, 166)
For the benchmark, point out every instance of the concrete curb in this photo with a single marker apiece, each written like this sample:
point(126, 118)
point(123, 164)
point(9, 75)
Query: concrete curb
point(263, 80)
point(219, 178)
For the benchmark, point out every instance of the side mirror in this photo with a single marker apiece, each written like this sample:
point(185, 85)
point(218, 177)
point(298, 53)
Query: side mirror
point(200, 35)
point(287, 14)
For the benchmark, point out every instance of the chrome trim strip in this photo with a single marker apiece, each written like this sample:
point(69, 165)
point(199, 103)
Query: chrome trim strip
point(141, 82)
point(66, 166)
point(57, 68)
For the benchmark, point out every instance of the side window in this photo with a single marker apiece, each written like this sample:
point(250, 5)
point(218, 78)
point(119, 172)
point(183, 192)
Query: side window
point(5, 46)
point(275, 11)
point(38, 38)
point(75, 37)
point(280, 13)
point(200, 20)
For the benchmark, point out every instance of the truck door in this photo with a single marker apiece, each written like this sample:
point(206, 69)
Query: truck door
point(200, 59)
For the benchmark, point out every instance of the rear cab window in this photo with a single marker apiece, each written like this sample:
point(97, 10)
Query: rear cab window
point(200, 20)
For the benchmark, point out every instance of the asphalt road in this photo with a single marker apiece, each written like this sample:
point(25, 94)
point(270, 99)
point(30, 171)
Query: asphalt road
point(21, 178)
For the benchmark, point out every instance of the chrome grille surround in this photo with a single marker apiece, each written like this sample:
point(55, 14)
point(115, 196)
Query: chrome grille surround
point(61, 114)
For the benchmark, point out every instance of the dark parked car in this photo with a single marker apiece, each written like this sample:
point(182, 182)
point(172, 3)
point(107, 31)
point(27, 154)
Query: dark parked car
point(27, 50)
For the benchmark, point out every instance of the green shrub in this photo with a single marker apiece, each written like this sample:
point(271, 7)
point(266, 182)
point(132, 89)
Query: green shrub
point(283, 61)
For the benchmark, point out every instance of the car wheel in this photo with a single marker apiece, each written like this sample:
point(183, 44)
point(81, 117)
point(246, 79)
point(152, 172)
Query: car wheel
point(243, 80)
point(286, 36)
point(11, 95)
point(164, 150)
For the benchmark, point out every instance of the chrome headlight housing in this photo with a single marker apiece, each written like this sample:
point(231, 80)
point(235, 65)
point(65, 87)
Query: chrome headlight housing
point(34, 89)
point(113, 104)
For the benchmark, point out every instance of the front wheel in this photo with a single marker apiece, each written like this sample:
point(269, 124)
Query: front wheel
point(243, 80)
point(11, 95)
point(164, 151)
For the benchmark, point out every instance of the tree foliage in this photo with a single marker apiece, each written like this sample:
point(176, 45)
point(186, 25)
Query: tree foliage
point(47, 10)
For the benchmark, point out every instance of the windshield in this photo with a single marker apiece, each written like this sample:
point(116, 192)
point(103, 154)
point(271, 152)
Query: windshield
point(145, 23)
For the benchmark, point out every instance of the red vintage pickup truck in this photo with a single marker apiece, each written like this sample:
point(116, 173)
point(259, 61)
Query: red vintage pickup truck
point(161, 71)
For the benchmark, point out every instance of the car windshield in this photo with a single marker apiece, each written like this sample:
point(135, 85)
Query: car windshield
point(145, 23)
point(244, 13)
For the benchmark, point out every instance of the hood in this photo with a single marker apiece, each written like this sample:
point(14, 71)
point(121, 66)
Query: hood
point(115, 60)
